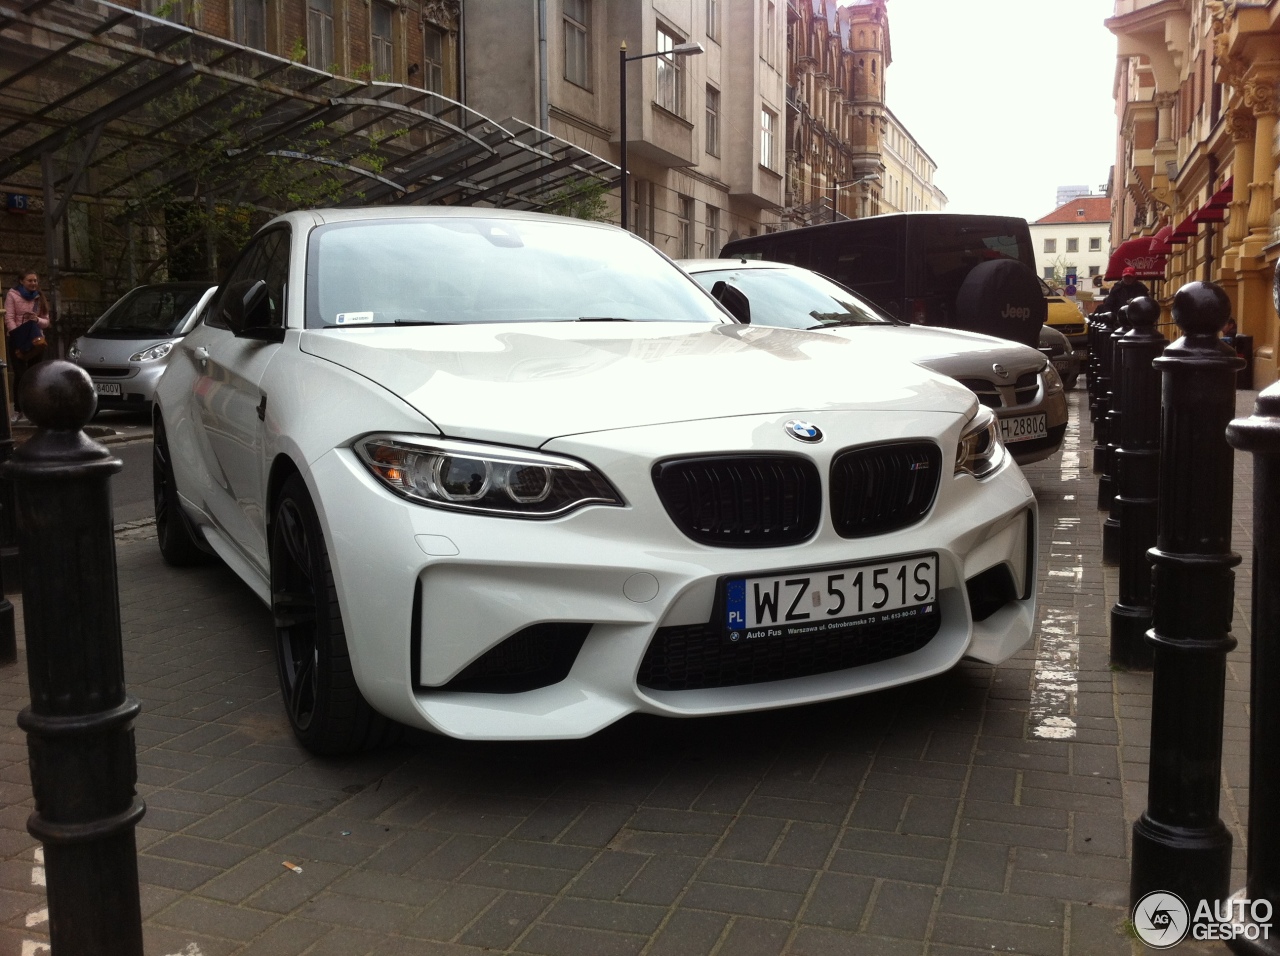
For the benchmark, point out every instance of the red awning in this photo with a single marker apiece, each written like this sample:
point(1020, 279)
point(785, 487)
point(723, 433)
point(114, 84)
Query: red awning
point(1208, 213)
point(1184, 230)
point(1222, 198)
point(1136, 253)
point(1160, 244)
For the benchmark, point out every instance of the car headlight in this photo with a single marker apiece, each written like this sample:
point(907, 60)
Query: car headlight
point(981, 450)
point(488, 479)
point(73, 353)
point(1052, 380)
point(153, 353)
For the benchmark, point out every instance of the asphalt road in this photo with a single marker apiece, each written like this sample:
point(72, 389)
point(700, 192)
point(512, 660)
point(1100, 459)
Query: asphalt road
point(131, 486)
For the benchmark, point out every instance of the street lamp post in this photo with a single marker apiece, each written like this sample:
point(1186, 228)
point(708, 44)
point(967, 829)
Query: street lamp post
point(680, 49)
point(869, 178)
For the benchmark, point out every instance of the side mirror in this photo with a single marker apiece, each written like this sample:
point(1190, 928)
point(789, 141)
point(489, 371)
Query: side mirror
point(246, 309)
point(732, 299)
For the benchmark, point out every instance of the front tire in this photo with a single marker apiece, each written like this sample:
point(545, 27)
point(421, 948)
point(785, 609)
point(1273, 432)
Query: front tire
point(178, 545)
point(325, 707)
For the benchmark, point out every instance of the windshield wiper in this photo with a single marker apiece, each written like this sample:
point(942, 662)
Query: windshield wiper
point(601, 318)
point(417, 322)
point(841, 322)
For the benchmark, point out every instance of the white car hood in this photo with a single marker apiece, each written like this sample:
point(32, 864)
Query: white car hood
point(527, 384)
point(949, 351)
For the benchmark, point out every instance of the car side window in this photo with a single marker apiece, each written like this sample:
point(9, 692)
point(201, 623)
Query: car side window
point(265, 259)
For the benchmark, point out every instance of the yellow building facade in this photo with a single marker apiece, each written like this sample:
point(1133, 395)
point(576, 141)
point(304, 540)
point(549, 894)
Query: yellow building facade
point(1197, 99)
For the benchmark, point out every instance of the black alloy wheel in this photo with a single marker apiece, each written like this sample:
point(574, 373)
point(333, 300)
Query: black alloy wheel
point(325, 708)
point(178, 545)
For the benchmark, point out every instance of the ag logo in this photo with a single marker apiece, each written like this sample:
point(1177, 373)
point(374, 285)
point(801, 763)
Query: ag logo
point(1161, 919)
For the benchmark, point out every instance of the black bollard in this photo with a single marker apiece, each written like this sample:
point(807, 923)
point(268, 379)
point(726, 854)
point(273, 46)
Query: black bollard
point(1260, 434)
point(1179, 843)
point(80, 722)
point(1099, 325)
point(1109, 481)
point(1137, 457)
point(1101, 385)
point(1108, 419)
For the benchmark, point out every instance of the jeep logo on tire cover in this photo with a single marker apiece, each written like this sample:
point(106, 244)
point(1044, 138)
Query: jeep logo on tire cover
point(1013, 312)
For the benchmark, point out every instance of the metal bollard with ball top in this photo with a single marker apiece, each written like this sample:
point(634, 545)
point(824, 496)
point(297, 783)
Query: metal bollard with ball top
point(79, 724)
point(1180, 844)
point(1260, 434)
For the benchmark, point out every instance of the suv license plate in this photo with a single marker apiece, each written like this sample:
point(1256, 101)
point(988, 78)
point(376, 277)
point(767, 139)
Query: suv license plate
point(107, 388)
point(1023, 428)
point(811, 600)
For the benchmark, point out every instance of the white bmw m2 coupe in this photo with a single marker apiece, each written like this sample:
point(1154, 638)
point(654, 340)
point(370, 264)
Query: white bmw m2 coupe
point(507, 475)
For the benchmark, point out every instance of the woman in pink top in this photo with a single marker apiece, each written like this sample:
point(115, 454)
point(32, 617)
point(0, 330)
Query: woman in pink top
point(23, 303)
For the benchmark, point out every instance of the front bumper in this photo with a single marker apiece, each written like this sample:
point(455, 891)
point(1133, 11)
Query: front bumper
point(427, 592)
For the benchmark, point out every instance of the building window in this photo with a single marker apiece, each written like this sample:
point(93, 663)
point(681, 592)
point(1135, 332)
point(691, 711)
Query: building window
point(712, 238)
point(770, 34)
point(1048, 272)
point(1094, 270)
point(380, 28)
point(1051, 245)
point(249, 23)
point(1073, 245)
point(432, 59)
point(684, 228)
point(577, 48)
point(713, 20)
point(670, 74)
point(320, 34)
point(713, 121)
point(768, 124)
point(1095, 244)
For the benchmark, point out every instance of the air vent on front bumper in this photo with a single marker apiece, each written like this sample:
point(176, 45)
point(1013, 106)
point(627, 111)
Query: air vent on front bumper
point(698, 656)
point(881, 488)
point(742, 501)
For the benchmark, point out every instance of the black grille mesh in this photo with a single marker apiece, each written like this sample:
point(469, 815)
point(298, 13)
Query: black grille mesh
point(698, 656)
point(742, 501)
point(882, 488)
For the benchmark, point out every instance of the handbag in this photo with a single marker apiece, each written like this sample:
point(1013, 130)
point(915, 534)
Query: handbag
point(28, 341)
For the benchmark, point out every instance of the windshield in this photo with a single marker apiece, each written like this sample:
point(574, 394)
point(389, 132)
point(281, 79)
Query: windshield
point(149, 311)
point(458, 271)
point(794, 299)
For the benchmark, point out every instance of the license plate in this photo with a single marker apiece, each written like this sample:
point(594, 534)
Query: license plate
point(107, 388)
point(1022, 428)
point(814, 600)
point(1061, 364)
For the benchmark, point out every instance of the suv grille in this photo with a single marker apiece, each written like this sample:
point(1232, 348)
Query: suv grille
point(699, 656)
point(742, 501)
point(882, 488)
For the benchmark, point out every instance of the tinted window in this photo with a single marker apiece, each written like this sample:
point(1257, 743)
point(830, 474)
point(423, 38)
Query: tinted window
point(150, 310)
point(948, 248)
point(266, 258)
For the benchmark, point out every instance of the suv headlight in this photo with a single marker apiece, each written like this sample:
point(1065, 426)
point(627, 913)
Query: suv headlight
point(153, 353)
point(486, 479)
point(981, 450)
point(73, 353)
point(1052, 380)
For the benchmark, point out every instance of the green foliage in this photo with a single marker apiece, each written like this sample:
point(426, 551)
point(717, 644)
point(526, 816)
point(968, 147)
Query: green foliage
point(582, 200)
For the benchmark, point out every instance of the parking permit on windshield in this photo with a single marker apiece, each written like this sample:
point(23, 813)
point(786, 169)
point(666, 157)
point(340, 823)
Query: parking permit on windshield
point(353, 318)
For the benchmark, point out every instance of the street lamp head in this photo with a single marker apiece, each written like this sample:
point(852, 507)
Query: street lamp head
point(687, 49)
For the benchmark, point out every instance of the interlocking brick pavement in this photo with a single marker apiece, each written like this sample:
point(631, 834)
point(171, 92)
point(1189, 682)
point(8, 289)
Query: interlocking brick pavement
point(987, 809)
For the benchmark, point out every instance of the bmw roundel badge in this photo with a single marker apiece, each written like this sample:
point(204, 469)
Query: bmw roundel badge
point(803, 431)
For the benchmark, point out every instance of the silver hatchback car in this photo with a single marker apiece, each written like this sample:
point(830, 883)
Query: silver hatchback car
point(127, 348)
point(1015, 381)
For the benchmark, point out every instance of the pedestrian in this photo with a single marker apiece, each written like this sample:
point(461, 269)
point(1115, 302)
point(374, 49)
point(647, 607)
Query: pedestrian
point(1123, 291)
point(26, 316)
point(1229, 331)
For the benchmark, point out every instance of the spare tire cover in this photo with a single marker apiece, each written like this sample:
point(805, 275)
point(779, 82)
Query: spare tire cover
point(1003, 298)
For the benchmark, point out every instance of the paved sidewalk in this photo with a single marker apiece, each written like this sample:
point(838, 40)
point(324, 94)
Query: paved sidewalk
point(984, 810)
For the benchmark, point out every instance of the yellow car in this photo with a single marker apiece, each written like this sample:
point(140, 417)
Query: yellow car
point(1066, 318)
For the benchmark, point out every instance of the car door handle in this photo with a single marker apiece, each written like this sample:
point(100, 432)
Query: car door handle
point(202, 355)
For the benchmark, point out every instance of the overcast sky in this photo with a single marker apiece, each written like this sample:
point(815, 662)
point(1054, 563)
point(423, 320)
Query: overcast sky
point(1011, 98)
